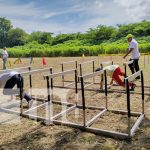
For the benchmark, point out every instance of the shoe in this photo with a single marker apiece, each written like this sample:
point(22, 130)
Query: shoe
point(132, 87)
point(137, 78)
point(30, 103)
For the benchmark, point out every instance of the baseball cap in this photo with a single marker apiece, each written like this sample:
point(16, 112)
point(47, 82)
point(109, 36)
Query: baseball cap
point(129, 36)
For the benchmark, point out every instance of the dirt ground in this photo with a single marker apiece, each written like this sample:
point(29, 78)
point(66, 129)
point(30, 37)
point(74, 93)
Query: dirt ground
point(23, 133)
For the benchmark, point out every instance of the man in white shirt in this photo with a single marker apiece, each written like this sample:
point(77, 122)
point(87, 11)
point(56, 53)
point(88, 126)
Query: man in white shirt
point(4, 57)
point(8, 80)
point(133, 50)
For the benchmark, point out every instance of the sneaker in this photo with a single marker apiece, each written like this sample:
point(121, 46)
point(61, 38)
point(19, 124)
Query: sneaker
point(30, 103)
point(137, 78)
point(133, 87)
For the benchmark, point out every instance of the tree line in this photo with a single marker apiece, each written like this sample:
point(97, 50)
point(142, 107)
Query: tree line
point(11, 37)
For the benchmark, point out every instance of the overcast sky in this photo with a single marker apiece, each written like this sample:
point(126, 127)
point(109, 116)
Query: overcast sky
point(67, 16)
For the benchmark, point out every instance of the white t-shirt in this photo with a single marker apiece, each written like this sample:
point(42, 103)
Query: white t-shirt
point(110, 69)
point(4, 54)
point(135, 52)
point(4, 77)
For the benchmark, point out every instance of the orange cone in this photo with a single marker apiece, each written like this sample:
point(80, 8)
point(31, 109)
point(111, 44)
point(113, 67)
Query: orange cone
point(44, 61)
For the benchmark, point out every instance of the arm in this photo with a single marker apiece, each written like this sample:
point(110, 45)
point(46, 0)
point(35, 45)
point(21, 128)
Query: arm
point(128, 52)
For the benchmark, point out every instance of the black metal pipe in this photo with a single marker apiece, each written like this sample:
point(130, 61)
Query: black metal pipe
point(83, 96)
point(93, 66)
point(48, 88)
point(125, 70)
point(106, 91)
point(142, 85)
point(51, 71)
point(128, 98)
point(80, 70)
point(76, 82)
point(62, 68)
point(21, 92)
point(30, 78)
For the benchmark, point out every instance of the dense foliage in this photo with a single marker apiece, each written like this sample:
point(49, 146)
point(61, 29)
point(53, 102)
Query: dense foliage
point(99, 40)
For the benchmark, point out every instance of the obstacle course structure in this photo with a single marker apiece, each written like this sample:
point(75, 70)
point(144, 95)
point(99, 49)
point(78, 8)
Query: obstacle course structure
point(86, 124)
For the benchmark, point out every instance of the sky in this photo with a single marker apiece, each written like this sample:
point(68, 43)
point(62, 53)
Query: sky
point(70, 16)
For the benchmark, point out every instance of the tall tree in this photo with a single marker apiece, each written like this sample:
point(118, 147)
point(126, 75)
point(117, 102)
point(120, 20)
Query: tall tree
point(5, 26)
point(41, 37)
point(16, 37)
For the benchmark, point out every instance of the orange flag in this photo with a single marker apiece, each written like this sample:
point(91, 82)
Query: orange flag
point(44, 61)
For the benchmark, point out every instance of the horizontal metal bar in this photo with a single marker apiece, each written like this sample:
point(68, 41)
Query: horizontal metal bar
point(106, 62)
point(123, 112)
point(3, 71)
point(90, 122)
point(70, 124)
point(35, 71)
point(63, 112)
point(69, 84)
point(133, 76)
point(107, 133)
point(78, 106)
point(128, 62)
point(9, 111)
point(88, 85)
point(12, 105)
point(54, 75)
point(86, 62)
point(33, 108)
point(136, 125)
point(87, 76)
point(67, 62)
point(38, 118)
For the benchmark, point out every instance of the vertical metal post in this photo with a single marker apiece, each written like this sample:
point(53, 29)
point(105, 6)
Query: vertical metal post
point(21, 94)
point(62, 68)
point(30, 80)
point(80, 70)
point(106, 91)
point(128, 106)
point(48, 89)
point(76, 86)
point(83, 101)
point(76, 82)
point(51, 71)
point(93, 71)
point(142, 88)
point(76, 65)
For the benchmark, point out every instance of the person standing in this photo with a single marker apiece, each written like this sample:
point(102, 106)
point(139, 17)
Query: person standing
point(133, 50)
point(4, 57)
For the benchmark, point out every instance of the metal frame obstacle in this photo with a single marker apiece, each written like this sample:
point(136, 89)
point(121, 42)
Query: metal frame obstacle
point(29, 72)
point(86, 125)
point(75, 65)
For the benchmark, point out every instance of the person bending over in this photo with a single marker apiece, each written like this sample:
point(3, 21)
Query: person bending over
point(8, 80)
point(114, 72)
